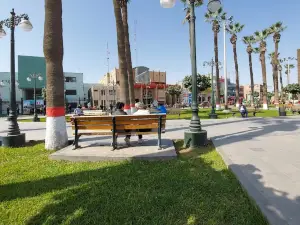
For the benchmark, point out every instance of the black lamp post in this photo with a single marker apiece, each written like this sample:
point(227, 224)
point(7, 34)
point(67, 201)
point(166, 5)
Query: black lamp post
point(14, 137)
point(195, 136)
point(212, 64)
point(34, 77)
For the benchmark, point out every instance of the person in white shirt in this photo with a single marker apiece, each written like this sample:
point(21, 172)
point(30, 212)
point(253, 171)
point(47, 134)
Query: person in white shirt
point(78, 111)
point(141, 110)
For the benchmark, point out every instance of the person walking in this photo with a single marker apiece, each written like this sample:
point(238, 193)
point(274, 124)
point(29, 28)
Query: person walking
point(7, 110)
point(120, 111)
point(141, 110)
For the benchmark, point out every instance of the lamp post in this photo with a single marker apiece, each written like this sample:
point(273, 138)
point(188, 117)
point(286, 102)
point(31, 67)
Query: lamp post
point(195, 136)
point(34, 77)
point(212, 64)
point(14, 137)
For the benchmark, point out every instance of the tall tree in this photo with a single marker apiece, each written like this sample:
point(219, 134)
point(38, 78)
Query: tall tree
point(124, 91)
point(203, 82)
point(56, 132)
point(234, 29)
point(124, 8)
point(276, 29)
point(275, 76)
point(249, 41)
point(280, 78)
point(261, 36)
point(215, 19)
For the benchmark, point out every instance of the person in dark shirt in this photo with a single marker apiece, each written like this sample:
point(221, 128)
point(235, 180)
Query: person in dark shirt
point(120, 111)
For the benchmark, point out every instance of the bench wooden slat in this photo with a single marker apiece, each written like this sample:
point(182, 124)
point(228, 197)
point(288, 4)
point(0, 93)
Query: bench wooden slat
point(122, 133)
point(140, 121)
point(136, 126)
point(94, 122)
point(125, 117)
point(94, 127)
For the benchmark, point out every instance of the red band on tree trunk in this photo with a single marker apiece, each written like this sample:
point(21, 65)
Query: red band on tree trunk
point(132, 105)
point(55, 111)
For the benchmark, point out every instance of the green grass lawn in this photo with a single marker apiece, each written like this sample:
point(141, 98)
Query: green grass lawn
point(204, 114)
point(196, 188)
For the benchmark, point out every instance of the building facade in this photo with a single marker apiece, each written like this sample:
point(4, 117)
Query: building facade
point(149, 85)
point(257, 88)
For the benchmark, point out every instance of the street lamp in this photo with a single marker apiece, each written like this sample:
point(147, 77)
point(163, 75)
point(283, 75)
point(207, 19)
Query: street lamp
point(212, 64)
point(14, 137)
point(195, 136)
point(34, 77)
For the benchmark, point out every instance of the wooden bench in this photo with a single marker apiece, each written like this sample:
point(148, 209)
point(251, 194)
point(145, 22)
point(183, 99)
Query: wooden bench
point(295, 109)
point(118, 125)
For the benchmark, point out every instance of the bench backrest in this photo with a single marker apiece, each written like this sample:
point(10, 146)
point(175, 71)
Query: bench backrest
point(118, 122)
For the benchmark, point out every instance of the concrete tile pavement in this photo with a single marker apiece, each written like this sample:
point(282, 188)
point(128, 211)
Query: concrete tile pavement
point(263, 153)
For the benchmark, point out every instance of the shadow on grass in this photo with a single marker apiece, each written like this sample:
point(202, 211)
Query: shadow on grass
point(196, 188)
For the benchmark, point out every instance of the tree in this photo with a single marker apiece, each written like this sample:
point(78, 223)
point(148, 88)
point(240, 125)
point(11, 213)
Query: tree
point(56, 132)
point(203, 82)
point(288, 68)
point(261, 36)
point(293, 89)
point(124, 91)
point(271, 57)
point(276, 29)
point(249, 41)
point(215, 19)
point(124, 8)
point(174, 90)
point(234, 29)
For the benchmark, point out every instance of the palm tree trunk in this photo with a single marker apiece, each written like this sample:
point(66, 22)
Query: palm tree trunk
point(251, 79)
point(237, 79)
point(264, 76)
point(217, 68)
point(128, 57)
point(275, 74)
point(56, 132)
point(281, 86)
point(124, 92)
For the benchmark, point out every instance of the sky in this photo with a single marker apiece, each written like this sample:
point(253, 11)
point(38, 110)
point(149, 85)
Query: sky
point(162, 41)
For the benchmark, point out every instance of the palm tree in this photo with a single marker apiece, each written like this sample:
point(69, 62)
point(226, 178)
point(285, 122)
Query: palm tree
point(276, 29)
point(275, 76)
point(249, 41)
point(56, 132)
point(234, 29)
point(215, 19)
point(280, 79)
point(124, 91)
point(128, 53)
point(261, 36)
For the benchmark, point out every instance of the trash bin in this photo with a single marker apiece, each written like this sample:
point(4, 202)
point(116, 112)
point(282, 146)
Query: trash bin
point(281, 110)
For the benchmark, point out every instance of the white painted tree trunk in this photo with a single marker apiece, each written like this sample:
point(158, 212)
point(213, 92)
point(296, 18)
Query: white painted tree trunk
point(56, 133)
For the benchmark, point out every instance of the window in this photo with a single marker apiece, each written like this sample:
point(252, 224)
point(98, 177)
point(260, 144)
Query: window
point(112, 92)
point(96, 103)
point(71, 92)
point(102, 92)
point(70, 79)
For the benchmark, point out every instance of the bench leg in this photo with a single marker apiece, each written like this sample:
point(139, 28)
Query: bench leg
point(75, 143)
point(159, 142)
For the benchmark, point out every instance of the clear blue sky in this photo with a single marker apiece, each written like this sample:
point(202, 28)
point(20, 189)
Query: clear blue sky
point(162, 40)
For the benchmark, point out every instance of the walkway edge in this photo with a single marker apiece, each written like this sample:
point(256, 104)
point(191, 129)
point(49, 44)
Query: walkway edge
point(261, 201)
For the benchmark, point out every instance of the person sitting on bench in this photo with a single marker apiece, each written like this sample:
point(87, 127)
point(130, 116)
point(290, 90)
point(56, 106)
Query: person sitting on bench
point(243, 111)
point(141, 110)
point(120, 111)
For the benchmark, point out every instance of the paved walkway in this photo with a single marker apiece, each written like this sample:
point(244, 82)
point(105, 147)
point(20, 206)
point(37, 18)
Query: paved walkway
point(263, 153)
